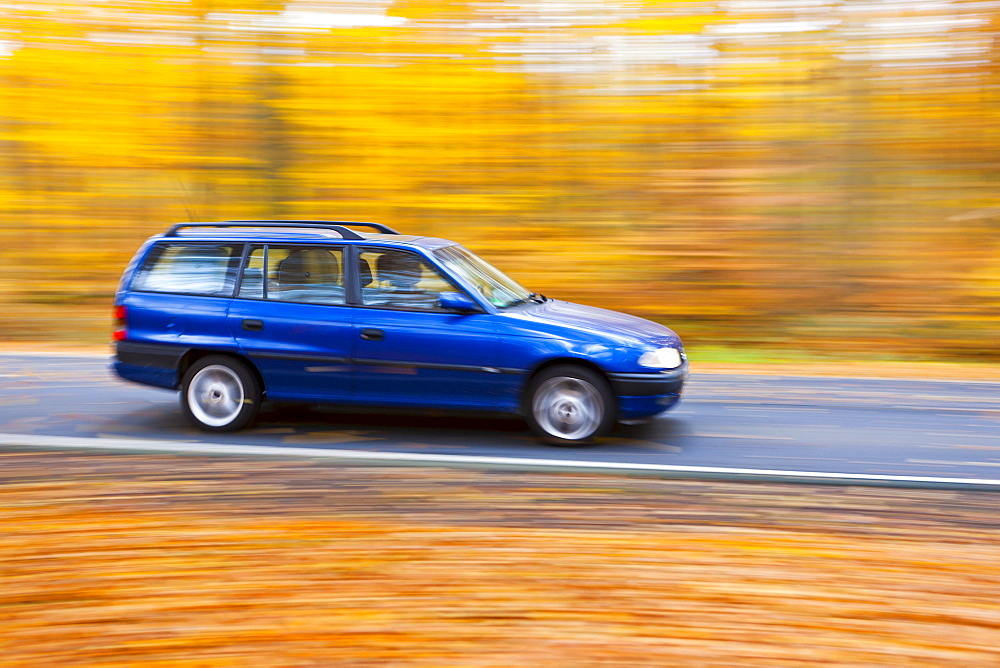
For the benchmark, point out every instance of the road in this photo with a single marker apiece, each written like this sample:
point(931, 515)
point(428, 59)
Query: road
point(890, 427)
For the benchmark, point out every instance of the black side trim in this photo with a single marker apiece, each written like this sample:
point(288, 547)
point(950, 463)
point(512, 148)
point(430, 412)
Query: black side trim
point(295, 357)
point(647, 384)
point(434, 365)
point(160, 355)
point(173, 356)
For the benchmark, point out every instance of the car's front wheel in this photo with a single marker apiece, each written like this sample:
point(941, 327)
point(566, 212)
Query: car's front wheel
point(569, 405)
point(219, 393)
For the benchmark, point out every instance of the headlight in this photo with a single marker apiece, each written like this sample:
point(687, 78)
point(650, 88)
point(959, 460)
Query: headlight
point(664, 358)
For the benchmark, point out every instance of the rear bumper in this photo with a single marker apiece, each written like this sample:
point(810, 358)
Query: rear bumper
point(148, 364)
point(146, 375)
point(160, 355)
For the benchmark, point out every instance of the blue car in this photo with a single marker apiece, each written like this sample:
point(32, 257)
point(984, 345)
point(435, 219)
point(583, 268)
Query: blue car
point(236, 313)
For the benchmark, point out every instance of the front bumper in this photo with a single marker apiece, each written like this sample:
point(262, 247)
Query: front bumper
point(646, 394)
point(646, 384)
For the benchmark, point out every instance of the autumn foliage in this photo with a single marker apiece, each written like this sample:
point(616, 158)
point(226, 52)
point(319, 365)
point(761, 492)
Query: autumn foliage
point(799, 173)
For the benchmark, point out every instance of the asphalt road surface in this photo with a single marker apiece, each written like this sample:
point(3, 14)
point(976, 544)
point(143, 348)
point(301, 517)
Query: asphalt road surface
point(896, 427)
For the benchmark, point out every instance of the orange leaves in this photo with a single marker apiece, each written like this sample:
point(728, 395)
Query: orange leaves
point(806, 175)
point(128, 559)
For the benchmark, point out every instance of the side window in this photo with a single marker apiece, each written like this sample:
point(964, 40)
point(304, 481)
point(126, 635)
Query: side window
point(308, 274)
point(400, 279)
point(252, 285)
point(190, 268)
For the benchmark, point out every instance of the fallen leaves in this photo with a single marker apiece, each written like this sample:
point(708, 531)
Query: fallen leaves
point(124, 559)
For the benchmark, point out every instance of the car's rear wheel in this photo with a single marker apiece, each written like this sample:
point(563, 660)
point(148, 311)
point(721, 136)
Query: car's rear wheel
point(569, 405)
point(219, 393)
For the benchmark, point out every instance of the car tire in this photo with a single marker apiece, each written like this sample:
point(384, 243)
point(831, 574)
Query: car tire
point(569, 405)
point(219, 393)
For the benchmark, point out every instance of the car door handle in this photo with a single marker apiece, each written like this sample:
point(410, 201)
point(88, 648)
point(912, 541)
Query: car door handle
point(372, 334)
point(253, 325)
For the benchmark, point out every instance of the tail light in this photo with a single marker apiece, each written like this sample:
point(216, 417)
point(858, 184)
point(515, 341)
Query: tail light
point(120, 332)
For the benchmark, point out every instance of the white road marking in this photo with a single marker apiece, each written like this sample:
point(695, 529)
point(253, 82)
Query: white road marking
point(479, 461)
point(949, 409)
point(752, 437)
point(950, 462)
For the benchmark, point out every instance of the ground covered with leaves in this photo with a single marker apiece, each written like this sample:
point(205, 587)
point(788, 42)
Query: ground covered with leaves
point(165, 560)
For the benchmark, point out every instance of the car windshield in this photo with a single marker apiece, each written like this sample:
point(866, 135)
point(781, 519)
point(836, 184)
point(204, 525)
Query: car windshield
point(498, 288)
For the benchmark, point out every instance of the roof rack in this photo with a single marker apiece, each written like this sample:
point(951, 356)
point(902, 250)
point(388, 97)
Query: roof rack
point(340, 227)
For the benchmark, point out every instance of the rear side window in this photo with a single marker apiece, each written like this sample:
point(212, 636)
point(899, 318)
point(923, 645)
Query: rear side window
point(305, 274)
point(190, 269)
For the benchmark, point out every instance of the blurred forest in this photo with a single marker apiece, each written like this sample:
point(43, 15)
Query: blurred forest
point(808, 174)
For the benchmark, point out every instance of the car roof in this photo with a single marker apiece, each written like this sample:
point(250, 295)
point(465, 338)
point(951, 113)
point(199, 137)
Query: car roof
point(300, 231)
point(430, 243)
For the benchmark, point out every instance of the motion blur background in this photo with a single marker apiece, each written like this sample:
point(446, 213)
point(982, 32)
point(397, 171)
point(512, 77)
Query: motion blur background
point(818, 175)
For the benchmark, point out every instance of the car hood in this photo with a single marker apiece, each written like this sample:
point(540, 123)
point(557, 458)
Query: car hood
point(579, 322)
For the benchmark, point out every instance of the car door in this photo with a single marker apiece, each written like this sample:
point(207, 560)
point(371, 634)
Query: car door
point(292, 319)
point(410, 351)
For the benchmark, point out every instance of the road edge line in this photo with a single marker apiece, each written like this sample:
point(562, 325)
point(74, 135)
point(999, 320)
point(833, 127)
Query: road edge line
point(383, 458)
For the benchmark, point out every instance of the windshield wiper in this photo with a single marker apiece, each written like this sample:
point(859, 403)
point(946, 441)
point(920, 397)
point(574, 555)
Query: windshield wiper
point(533, 297)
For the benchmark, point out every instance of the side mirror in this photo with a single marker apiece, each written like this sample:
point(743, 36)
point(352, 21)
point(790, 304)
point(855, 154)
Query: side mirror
point(456, 301)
